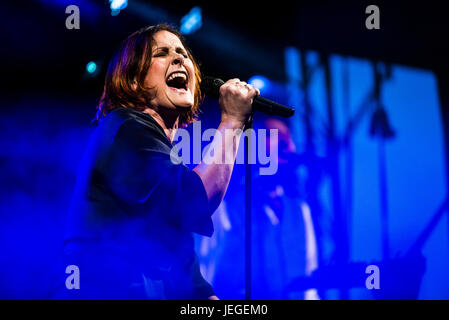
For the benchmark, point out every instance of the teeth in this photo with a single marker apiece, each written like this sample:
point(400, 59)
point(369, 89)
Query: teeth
point(177, 75)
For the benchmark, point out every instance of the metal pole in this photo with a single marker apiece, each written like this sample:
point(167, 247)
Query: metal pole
point(341, 222)
point(383, 199)
point(443, 82)
point(248, 222)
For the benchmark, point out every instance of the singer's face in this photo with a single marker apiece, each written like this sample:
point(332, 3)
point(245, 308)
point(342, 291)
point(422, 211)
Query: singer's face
point(171, 74)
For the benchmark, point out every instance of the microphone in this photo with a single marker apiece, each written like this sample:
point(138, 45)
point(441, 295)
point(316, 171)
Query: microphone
point(211, 87)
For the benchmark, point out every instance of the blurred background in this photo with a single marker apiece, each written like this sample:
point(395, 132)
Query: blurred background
point(362, 177)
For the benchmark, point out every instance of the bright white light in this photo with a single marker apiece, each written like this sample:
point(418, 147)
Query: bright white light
point(118, 4)
point(259, 82)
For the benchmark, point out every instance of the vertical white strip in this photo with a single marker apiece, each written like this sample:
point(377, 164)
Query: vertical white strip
point(311, 249)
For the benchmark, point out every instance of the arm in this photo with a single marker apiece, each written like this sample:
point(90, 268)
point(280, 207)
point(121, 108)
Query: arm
point(235, 101)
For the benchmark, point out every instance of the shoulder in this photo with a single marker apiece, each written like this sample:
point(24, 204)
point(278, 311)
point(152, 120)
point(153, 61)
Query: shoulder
point(123, 122)
point(118, 118)
point(134, 129)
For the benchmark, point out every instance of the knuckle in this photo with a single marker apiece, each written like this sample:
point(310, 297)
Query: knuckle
point(234, 89)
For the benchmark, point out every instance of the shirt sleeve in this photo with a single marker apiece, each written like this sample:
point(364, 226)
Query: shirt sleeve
point(144, 180)
point(187, 282)
point(203, 289)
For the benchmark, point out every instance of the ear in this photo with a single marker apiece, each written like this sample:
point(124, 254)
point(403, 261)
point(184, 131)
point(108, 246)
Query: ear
point(134, 84)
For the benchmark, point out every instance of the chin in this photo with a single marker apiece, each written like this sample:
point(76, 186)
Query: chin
point(183, 105)
point(184, 102)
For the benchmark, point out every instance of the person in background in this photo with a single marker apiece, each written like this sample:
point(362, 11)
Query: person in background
point(284, 243)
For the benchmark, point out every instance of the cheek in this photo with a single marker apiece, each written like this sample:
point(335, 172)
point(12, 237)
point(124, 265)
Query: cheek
point(191, 71)
point(156, 74)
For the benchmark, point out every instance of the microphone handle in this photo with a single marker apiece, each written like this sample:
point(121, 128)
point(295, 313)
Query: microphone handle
point(211, 86)
point(272, 108)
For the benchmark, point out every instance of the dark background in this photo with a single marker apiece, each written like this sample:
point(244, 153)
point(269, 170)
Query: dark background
point(245, 36)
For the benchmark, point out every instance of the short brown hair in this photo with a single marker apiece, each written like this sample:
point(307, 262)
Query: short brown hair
point(131, 62)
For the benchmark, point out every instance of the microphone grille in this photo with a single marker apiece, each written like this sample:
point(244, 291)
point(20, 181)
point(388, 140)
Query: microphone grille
point(211, 86)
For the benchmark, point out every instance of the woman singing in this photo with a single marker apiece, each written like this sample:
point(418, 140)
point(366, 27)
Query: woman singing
point(130, 224)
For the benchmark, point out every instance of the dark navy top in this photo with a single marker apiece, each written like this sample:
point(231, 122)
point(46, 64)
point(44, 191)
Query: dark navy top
point(130, 223)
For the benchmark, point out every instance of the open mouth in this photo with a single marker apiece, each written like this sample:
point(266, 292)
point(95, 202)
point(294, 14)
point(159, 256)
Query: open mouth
point(177, 80)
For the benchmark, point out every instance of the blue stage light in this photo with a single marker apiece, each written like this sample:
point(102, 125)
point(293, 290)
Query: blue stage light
point(117, 5)
point(91, 67)
point(192, 21)
point(259, 82)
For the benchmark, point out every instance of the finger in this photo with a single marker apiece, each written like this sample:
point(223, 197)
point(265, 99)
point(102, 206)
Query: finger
point(240, 84)
point(249, 86)
point(254, 92)
point(243, 84)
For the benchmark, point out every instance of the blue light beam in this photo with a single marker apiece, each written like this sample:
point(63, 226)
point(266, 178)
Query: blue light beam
point(192, 21)
point(259, 82)
point(91, 67)
point(117, 5)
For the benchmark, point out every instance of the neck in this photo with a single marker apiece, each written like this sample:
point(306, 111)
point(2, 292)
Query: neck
point(168, 122)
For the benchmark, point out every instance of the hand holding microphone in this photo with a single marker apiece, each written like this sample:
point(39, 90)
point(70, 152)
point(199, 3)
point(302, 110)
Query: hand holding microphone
point(212, 87)
point(235, 99)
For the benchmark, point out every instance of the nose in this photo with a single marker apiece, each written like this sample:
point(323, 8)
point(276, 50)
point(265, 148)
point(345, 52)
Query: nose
point(179, 59)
